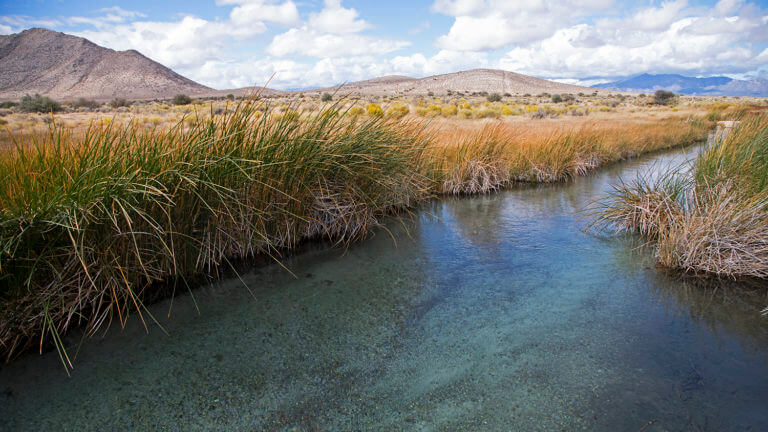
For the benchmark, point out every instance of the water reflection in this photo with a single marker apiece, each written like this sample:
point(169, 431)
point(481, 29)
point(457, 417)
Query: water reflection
point(499, 313)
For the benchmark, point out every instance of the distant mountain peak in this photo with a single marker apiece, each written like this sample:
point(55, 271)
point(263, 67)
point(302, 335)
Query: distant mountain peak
point(63, 66)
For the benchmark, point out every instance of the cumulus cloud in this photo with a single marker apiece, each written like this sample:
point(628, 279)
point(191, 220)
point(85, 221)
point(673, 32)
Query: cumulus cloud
point(331, 33)
point(663, 38)
point(570, 39)
point(189, 43)
point(482, 25)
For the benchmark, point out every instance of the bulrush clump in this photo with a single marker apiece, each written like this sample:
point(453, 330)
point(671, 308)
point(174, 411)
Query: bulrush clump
point(712, 220)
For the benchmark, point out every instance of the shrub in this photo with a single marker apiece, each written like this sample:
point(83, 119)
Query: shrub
point(494, 97)
point(374, 110)
point(8, 104)
point(38, 103)
point(449, 110)
point(489, 113)
point(326, 97)
point(556, 98)
point(568, 97)
point(356, 111)
point(398, 110)
point(182, 99)
point(119, 103)
point(465, 114)
point(86, 103)
point(230, 96)
point(663, 97)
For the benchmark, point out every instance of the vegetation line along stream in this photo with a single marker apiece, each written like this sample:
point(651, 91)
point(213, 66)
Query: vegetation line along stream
point(92, 222)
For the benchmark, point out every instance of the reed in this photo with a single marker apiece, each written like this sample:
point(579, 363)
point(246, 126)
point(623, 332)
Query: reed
point(93, 222)
point(88, 225)
point(712, 221)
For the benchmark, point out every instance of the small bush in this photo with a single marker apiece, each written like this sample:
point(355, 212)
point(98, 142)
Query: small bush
point(494, 97)
point(182, 99)
point(374, 110)
point(230, 96)
point(326, 97)
point(119, 103)
point(86, 103)
point(8, 104)
point(356, 111)
point(556, 98)
point(465, 113)
point(39, 104)
point(398, 111)
point(663, 97)
point(449, 110)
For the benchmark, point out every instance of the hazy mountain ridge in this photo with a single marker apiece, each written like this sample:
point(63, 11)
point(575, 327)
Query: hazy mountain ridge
point(708, 86)
point(470, 81)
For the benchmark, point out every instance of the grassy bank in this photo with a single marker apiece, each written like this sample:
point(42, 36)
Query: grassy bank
point(92, 223)
point(711, 221)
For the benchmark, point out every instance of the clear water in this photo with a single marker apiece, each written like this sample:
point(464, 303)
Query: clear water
point(487, 313)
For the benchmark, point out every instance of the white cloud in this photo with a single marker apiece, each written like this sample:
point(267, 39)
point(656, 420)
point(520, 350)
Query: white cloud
point(336, 20)
point(309, 42)
point(257, 12)
point(189, 42)
point(687, 44)
point(484, 25)
point(332, 33)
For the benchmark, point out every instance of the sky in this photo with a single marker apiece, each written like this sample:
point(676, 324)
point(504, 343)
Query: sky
point(315, 43)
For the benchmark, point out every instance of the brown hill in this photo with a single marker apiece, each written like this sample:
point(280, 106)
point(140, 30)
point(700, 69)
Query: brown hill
point(475, 80)
point(67, 67)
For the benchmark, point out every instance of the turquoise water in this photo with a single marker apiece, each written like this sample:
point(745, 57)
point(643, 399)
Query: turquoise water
point(487, 313)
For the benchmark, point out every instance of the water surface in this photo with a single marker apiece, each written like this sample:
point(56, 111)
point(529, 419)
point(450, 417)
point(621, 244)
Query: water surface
point(489, 313)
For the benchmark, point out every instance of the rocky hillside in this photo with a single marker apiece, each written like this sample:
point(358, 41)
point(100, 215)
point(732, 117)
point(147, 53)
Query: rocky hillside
point(67, 67)
point(471, 81)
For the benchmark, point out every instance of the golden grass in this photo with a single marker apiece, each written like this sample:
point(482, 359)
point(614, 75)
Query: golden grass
point(92, 220)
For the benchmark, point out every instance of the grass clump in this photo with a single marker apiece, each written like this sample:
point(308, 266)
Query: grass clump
point(711, 221)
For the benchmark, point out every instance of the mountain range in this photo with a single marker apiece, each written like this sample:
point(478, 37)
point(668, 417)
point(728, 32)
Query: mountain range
point(67, 67)
point(710, 86)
